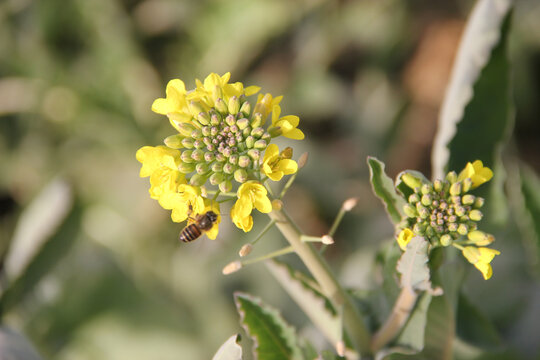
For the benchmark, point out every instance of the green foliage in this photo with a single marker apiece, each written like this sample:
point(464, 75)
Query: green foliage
point(530, 188)
point(310, 300)
point(413, 265)
point(383, 187)
point(273, 338)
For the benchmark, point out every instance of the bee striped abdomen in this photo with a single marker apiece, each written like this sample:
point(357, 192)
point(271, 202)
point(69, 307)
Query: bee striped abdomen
point(190, 233)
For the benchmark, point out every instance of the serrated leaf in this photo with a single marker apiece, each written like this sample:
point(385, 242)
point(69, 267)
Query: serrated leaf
point(273, 338)
point(383, 187)
point(475, 114)
point(230, 350)
point(314, 304)
point(413, 265)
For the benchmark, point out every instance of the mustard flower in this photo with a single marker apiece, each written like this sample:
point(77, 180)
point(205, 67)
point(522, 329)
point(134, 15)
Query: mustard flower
point(477, 172)
point(276, 165)
point(288, 124)
point(265, 104)
point(161, 164)
point(251, 194)
point(481, 258)
point(187, 201)
point(404, 238)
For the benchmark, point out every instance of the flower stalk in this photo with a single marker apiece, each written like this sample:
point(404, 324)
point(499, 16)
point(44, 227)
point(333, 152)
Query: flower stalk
point(352, 321)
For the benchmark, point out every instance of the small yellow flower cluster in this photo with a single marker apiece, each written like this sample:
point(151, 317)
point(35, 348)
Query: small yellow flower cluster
point(218, 140)
point(444, 214)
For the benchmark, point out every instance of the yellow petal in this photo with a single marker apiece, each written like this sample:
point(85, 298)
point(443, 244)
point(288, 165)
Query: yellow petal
point(263, 204)
point(487, 254)
point(271, 151)
point(485, 269)
point(287, 166)
point(404, 238)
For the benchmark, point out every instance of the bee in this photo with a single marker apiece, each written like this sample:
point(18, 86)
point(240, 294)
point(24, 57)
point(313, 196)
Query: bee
point(202, 224)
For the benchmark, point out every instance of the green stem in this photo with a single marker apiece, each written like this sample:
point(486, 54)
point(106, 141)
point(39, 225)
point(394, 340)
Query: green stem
point(353, 322)
point(287, 186)
point(284, 251)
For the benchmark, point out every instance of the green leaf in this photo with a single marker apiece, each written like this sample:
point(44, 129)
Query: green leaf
point(273, 338)
point(314, 304)
point(475, 116)
point(412, 335)
point(413, 265)
point(383, 187)
point(529, 213)
point(308, 350)
point(230, 350)
point(474, 327)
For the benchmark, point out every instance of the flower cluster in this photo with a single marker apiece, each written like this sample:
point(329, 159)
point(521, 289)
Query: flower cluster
point(220, 140)
point(444, 213)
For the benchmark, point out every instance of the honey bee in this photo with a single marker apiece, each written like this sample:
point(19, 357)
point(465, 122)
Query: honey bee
point(202, 224)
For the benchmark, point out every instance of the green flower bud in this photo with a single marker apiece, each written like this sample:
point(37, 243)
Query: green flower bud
point(451, 177)
point(206, 131)
point(197, 155)
point(256, 120)
point(419, 228)
point(475, 215)
point(228, 168)
point(233, 159)
point(186, 156)
point(266, 136)
point(203, 118)
point(460, 211)
point(174, 141)
point(230, 120)
point(445, 240)
point(467, 184)
point(215, 119)
point(217, 167)
point(438, 185)
point(462, 229)
point(220, 157)
point(480, 238)
point(479, 202)
point(455, 189)
point(196, 134)
point(414, 198)
point(221, 106)
point(195, 107)
point(260, 144)
point(453, 227)
point(185, 128)
point(225, 186)
point(199, 144)
point(198, 180)
point(201, 168)
point(245, 109)
point(244, 161)
point(209, 156)
point(426, 199)
point(216, 178)
point(423, 212)
point(411, 181)
point(186, 168)
point(234, 105)
point(257, 132)
point(426, 189)
point(242, 123)
point(250, 142)
point(430, 232)
point(254, 154)
point(275, 131)
point(240, 176)
point(410, 211)
point(468, 199)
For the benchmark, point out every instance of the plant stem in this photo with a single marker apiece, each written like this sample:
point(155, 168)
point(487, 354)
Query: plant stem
point(400, 313)
point(353, 322)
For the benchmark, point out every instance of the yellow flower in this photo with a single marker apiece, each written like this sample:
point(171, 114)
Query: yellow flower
point(210, 205)
point(404, 238)
point(251, 195)
point(275, 165)
point(175, 104)
point(480, 257)
point(186, 202)
point(215, 86)
point(477, 173)
point(265, 104)
point(161, 164)
point(287, 124)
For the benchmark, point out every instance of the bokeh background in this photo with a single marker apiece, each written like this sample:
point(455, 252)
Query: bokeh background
point(101, 274)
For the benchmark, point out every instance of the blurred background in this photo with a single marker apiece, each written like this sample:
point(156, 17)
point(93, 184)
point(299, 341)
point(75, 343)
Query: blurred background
point(94, 267)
